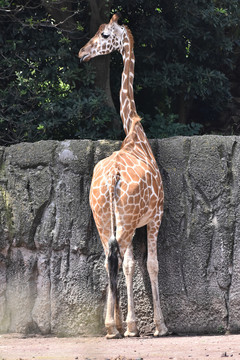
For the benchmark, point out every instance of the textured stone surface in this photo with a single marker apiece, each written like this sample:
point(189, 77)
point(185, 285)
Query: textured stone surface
point(52, 276)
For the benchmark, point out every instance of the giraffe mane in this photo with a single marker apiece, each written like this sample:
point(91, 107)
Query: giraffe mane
point(131, 136)
point(130, 35)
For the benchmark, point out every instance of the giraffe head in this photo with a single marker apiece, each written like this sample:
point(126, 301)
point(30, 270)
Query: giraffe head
point(107, 39)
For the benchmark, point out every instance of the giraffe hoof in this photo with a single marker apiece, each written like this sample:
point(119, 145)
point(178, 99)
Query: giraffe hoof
point(132, 330)
point(117, 335)
point(131, 333)
point(163, 332)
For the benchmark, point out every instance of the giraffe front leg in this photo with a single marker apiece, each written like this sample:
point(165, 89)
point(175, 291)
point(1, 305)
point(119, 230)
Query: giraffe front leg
point(152, 266)
point(161, 329)
point(128, 269)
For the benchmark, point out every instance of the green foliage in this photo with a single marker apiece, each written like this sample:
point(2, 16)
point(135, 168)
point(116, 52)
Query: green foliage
point(163, 126)
point(194, 82)
point(45, 94)
point(184, 52)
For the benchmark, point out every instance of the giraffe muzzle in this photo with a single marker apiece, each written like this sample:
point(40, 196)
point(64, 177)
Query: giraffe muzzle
point(84, 58)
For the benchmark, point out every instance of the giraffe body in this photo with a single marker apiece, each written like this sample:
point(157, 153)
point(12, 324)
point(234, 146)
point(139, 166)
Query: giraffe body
point(132, 174)
point(126, 190)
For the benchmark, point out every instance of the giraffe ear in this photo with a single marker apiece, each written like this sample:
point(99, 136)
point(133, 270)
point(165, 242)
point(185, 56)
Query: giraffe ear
point(115, 18)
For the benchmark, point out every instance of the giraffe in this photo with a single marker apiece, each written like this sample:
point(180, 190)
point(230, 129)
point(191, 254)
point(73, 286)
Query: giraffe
point(126, 190)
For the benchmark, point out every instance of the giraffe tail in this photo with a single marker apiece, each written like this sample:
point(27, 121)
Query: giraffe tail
point(113, 247)
point(113, 252)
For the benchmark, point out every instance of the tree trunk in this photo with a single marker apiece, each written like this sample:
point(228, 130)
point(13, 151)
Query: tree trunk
point(184, 108)
point(100, 10)
point(181, 109)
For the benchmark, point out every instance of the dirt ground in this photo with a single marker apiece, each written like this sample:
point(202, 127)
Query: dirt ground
point(18, 347)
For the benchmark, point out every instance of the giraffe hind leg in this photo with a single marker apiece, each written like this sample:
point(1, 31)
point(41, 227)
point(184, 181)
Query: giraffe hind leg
point(112, 299)
point(128, 269)
point(118, 316)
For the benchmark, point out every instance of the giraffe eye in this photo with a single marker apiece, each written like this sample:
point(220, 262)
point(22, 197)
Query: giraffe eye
point(105, 36)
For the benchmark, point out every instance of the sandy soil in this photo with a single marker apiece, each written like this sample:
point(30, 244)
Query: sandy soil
point(17, 347)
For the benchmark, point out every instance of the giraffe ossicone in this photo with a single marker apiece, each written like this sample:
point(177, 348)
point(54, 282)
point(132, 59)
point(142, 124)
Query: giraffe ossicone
point(126, 190)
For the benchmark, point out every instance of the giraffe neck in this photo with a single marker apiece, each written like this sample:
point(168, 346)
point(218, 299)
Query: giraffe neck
point(127, 103)
point(128, 113)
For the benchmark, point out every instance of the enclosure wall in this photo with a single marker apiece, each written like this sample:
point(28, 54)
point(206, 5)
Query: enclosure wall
point(52, 275)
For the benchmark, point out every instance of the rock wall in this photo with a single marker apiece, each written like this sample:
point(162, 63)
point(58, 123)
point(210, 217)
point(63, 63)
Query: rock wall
point(52, 277)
